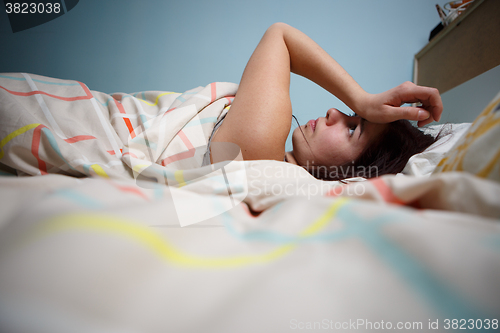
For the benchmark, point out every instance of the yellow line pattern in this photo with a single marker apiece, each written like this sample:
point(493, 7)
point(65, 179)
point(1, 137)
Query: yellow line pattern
point(157, 98)
point(13, 135)
point(138, 167)
point(484, 123)
point(99, 170)
point(179, 176)
point(162, 248)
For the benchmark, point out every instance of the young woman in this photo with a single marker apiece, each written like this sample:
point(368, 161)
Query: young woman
point(260, 117)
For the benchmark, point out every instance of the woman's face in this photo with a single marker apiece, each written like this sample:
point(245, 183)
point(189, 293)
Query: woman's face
point(333, 140)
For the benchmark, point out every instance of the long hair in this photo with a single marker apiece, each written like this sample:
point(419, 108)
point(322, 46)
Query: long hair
point(388, 154)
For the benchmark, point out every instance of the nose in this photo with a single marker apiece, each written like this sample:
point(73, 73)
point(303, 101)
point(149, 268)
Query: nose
point(334, 115)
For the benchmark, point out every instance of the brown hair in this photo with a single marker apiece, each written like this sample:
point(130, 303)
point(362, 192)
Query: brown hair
point(387, 155)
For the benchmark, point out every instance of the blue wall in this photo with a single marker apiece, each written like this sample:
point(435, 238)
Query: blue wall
point(131, 45)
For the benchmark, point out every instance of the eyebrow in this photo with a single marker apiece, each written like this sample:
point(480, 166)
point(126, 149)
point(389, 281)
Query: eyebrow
point(361, 126)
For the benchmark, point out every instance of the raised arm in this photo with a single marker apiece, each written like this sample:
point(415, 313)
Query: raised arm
point(260, 117)
point(311, 61)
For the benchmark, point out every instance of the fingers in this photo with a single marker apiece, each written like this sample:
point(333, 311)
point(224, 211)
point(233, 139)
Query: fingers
point(413, 113)
point(386, 107)
point(429, 97)
point(425, 122)
point(423, 116)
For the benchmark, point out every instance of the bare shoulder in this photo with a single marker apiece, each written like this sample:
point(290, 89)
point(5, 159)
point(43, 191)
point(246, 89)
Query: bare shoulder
point(255, 141)
point(260, 116)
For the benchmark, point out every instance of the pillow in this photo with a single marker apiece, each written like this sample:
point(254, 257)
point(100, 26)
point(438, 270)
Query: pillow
point(424, 163)
point(478, 150)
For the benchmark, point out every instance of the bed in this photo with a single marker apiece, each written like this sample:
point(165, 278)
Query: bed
point(109, 224)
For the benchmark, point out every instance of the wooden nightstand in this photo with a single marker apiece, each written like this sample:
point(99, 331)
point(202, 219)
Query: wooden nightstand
point(467, 47)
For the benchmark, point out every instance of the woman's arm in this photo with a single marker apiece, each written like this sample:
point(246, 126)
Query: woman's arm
point(261, 113)
point(260, 117)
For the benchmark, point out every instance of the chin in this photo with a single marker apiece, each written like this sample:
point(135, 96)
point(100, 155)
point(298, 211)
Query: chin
point(297, 136)
point(297, 133)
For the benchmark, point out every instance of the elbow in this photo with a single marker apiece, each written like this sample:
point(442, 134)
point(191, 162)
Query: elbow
point(278, 26)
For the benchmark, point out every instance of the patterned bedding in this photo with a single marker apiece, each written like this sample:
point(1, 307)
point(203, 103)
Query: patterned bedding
point(119, 230)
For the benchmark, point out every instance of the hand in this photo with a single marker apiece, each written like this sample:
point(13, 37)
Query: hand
point(386, 107)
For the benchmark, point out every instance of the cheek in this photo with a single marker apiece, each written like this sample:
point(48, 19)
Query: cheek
point(335, 150)
point(329, 143)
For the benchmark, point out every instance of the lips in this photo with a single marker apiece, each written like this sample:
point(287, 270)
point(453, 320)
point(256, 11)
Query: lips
point(312, 124)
